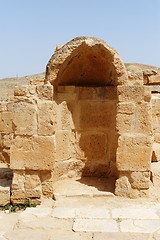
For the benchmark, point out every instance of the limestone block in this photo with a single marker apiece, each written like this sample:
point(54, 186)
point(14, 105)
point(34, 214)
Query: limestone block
point(21, 90)
point(66, 89)
point(4, 192)
point(134, 93)
point(18, 180)
point(24, 118)
point(154, 79)
point(71, 168)
point(6, 122)
point(46, 118)
point(123, 187)
point(66, 93)
point(65, 140)
point(125, 117)
point(99, 115)
point(140, 180)
point(32, 180)
point(134, 152)
point(45, 92)
point(94, 93)
point(143, 118)
point(7, 140)
point(91, 146)
point(47, 183)
point(36, 153)
point(65, 118)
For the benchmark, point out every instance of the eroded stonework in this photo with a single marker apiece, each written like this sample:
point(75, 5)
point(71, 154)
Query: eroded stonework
point(91, 117)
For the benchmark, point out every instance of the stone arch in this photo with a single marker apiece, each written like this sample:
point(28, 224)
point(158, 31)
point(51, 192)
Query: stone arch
point(86, 61)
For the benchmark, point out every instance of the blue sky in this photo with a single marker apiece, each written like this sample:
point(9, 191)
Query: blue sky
point(31, 29)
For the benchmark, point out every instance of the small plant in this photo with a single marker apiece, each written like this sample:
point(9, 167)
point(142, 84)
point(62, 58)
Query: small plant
point(17, 206)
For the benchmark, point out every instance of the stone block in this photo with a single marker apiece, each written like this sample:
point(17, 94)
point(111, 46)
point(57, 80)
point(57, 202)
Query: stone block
point(91, 146)
point(25, 118)
point(4, 192)
point(7, 140)
point(143, 118)
point(154, 79)
point(21, 91)
point(134, 93)
point(97, 115)
point(46, 118)
point(66, 116)
point(35, 153)
point(140, 180)
point(123, 187)
point(65, 140)
point(47, 183)
point(6, 122)
point(97, 93)
point(18, 180)
point(71, 168)
point(125, 117)
point(134, 152)
point(45, 92)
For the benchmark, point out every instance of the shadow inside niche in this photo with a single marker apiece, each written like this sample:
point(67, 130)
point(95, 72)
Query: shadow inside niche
point(101, 184)
point(93, 115)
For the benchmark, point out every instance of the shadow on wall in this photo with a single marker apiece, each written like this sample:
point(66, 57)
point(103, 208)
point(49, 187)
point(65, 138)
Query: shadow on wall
point(93, 117)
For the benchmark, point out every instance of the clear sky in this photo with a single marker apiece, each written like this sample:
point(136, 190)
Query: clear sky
point(30, 30)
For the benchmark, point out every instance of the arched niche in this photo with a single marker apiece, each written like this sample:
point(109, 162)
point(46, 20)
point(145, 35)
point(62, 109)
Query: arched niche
point(86, 61)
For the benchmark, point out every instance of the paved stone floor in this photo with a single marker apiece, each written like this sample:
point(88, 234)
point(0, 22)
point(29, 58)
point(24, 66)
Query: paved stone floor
point(82, 222)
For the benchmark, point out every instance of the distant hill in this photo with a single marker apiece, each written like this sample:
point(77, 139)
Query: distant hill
point(7, 84)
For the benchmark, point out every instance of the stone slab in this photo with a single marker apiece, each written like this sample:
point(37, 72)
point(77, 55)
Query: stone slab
point(95, 225)
point(140, 226)
point(134, 213)
point(70, 235)
point(44, 223)
point(24, 234)
point(123, 236)
point(63, 212)
point(93, 213)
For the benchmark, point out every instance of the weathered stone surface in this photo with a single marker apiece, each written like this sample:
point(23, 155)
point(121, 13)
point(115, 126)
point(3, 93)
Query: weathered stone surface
point(45, 92)
point(6, 122)
point(134, 152)
point(97, 115)
point(46, 118)
point(25, 118)
point(87, 142)
point(145, 226)
point(140, 180)
point(4, 192)
point(154, 79)
point(95, 225)
point(123, 187)
point(85, 61)
point(28, 153)
point(64, 145)
point(64, 115)
point(134, 213)
point(134, 93)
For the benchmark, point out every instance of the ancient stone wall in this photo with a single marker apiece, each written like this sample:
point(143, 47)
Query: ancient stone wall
point(89, 118)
